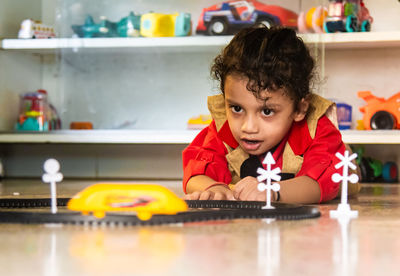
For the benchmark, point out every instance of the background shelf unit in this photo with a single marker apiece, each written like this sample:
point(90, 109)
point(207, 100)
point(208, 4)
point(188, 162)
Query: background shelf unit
point(164, 137)
point(195, 43)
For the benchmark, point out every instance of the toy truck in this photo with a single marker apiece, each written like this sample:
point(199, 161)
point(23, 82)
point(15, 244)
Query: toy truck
point(380, 113)
point(230, 16)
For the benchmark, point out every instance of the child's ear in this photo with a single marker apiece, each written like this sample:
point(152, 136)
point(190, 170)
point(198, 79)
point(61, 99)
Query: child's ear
point(301, 110)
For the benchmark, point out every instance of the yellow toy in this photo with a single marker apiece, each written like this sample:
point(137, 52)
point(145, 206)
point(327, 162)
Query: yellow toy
point(313, 20)
point(199, 122)
point(165, 25)
point(144, 199)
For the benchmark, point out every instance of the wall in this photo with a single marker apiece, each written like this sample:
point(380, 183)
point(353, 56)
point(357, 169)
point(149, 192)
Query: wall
point(150, 89)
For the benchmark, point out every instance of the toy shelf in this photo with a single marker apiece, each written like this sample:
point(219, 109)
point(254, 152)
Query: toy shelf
point(101, 137)
point(165, 137)
point(371, 136)
point(194, 43)
point(43, 46)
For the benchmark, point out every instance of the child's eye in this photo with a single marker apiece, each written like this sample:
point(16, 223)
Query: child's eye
point(267, 112)
point(236, 109)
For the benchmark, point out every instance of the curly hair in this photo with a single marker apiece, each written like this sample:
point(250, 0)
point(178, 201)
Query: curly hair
point(270, 58)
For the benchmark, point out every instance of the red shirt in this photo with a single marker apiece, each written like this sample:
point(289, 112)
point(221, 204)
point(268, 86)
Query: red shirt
point(206, 154)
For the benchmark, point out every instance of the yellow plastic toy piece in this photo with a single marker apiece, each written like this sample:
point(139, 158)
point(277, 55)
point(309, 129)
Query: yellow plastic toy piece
point(157, 24)
point(199, 122)
point(144, 199)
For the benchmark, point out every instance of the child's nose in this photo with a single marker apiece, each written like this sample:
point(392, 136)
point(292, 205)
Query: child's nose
point(250, 125)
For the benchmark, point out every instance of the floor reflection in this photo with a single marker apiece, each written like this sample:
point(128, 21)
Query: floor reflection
point(268, 242)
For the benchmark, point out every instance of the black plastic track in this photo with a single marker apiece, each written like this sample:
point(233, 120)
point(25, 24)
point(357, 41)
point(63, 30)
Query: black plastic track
point(227, 210)
point(301, 212)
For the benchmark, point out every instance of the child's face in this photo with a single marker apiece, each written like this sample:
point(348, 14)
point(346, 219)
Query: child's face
point(259, 125)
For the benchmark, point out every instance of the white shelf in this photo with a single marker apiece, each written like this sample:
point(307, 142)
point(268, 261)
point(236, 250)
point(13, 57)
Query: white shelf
point(165, 137)
point(358, 40)
point(371, 136)
point(194, 43)
point(102, 137)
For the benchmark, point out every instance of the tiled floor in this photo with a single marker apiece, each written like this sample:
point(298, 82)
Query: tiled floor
point(368, 245)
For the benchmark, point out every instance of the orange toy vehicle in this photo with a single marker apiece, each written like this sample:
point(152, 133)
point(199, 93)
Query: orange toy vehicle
point(143, 199)
point(380, 113)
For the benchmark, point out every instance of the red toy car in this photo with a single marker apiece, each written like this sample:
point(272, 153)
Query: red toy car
point(380, 113)
point(230, 16)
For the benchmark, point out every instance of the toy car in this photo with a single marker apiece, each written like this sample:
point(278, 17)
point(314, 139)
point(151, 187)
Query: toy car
point(347, 16)
point(35, 29)
point(230, 16)
point(380, 113)
point(144, 199)
point(165, 25)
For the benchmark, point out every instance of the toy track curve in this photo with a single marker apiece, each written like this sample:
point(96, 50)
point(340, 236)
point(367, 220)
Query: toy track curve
point(227, 210)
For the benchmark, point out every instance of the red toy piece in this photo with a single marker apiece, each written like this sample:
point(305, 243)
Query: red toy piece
point(380, 113)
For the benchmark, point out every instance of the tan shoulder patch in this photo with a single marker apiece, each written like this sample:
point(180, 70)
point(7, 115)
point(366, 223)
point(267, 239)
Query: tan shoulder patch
point(216, 106)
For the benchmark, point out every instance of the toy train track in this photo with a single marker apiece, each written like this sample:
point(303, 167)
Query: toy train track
point(227, 210)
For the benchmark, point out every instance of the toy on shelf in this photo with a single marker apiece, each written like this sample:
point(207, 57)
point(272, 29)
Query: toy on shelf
point(373, 170)
point(35, 29)
point(128, 26)
point(347, 16)
point(36, 114)
point(230, 16)
point(380, 113)
point(199, 122)
point(312, 21)
point(144, 199)
point(344, 117)
point(134, 25)
point(165, 25)
point(81, 125)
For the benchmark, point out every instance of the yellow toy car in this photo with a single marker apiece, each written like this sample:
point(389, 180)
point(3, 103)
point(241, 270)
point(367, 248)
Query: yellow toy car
point(144, 199)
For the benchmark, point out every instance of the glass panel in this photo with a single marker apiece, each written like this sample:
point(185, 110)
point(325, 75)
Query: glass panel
point(146, 87)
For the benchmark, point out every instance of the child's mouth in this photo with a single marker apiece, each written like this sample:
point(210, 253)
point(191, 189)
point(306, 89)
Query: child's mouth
point(251, 145)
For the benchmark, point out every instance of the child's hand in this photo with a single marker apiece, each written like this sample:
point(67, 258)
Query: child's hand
point(218, 192)
point(246, 189)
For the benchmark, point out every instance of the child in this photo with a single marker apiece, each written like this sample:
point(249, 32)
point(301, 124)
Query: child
point(265, 106)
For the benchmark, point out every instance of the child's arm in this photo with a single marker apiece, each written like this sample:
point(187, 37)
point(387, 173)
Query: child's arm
point(302, 189)
point(202, 187)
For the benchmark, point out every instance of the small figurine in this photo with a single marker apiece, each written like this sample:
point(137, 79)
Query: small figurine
point(267, 175)
point(52, 175)
point(343, 209)
point(344, 115)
